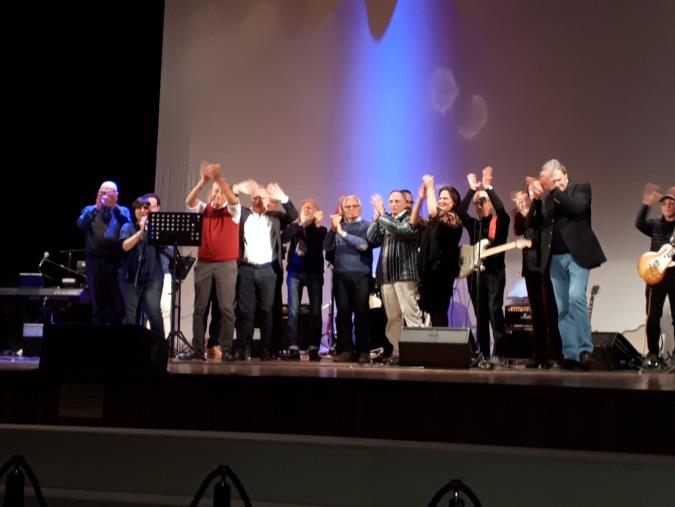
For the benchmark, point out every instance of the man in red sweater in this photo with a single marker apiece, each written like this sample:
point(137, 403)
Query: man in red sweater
point(216, 259)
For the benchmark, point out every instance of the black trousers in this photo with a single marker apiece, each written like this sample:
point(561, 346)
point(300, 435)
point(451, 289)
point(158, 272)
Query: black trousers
point(656, 298)
point(489, 287)
point(435, 294)
point(255, 297)
point(107, 304)
point(351, 292)
point(544, 312)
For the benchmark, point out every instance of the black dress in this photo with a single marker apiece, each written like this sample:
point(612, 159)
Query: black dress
point(438, 265)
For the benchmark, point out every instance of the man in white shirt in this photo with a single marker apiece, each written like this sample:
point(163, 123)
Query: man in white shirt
point(260, 262)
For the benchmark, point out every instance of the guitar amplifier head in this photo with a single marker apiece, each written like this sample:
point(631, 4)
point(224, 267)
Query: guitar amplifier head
point(517, 318)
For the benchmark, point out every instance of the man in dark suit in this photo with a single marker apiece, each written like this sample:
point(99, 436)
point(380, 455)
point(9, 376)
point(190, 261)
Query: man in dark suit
point(569, 249)
point(260, 259)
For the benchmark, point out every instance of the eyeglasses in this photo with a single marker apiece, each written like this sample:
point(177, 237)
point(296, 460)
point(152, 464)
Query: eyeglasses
point(349, 206)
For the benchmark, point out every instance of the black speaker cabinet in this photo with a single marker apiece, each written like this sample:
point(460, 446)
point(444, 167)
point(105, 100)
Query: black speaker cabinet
point(436, 347)
point(100, 348)
point(613, 351)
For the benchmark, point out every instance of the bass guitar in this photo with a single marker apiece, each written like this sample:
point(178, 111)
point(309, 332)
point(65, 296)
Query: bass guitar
point(652, 265)
point(469, 253)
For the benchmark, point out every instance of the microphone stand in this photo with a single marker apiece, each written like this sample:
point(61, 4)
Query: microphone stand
point(141, 259)
point(60, 266)
point(477, 267)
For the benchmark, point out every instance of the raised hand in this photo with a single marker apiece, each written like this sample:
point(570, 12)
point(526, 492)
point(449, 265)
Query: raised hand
point(246, 187)
point(335, 221)
point(142, 224)
point(318, 217)
point(487, 177)
point(474, 184)
point(214, 171)
point(106, 200)
point(651, 195)
point(422, 193)
point(377, 201)
point(275, 192)
point(205, 171)
point(534, 187)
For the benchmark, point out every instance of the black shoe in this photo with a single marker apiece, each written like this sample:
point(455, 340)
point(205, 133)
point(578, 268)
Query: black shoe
point(191, 356)
point(314, 355)
point(570, 364)
point(651, 361)
point(243, 355)
point(551, 364)
point(227, 356)
point(392, 361)
point(364, 358)
point(291, 355)
point(586, 361)
point(265, 356)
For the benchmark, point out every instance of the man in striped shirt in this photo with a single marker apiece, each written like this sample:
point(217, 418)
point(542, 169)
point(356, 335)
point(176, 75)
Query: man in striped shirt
point(397, 274)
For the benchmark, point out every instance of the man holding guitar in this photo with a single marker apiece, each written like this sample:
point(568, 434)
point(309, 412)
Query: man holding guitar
point(569, 249)
point(486, 287)
point(661, 231)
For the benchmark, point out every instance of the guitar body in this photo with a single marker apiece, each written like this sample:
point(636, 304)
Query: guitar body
point(467, 257)
point(469, 253)
point(652, 265)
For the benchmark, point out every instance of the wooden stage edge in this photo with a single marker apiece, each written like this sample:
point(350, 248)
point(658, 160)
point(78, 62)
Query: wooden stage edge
point(609, 411)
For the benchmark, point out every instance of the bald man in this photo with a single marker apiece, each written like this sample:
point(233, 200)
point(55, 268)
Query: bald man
point(101, 224)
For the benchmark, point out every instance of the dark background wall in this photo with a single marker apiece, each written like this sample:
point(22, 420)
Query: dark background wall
point(83, 108)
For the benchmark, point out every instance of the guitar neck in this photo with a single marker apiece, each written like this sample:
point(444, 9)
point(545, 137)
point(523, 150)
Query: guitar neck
point(498, 249)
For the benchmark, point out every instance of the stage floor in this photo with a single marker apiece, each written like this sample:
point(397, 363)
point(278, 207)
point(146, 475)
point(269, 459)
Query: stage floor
point(616, 411)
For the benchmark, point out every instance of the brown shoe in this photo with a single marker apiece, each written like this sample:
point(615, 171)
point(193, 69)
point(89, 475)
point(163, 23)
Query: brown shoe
point(343, 357)
point(214, 352)
point(364, 358)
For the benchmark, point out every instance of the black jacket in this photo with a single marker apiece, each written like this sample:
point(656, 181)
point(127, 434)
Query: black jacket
point(570, 211)
point(279, 221)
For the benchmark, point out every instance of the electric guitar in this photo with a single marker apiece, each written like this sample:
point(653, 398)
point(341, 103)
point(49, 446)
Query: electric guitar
point(652, 265)
point(469, 253)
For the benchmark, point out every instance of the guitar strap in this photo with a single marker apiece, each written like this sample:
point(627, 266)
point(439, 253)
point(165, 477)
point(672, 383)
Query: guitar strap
point(492, 230)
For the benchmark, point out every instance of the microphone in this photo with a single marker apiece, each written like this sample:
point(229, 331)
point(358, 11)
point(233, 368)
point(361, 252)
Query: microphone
point(45, 256)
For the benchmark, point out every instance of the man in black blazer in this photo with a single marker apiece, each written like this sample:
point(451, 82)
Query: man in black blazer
point(260, 259)
point(570, 249)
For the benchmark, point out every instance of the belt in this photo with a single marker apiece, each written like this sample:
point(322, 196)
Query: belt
point(256, 266)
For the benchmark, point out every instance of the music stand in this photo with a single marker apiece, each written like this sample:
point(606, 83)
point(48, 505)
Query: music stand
point(167, 228)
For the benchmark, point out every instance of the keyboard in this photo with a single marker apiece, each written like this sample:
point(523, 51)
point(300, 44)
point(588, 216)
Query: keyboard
point(40, 292)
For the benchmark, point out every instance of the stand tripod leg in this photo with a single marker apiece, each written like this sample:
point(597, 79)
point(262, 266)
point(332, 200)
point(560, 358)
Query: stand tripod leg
point(175, 335)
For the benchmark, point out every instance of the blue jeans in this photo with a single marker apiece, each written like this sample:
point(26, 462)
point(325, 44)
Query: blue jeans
point(145, 296)
point(314, 284)
point(570, 282)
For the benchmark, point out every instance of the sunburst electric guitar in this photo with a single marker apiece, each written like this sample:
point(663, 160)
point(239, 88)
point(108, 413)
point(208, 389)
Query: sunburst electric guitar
point(652, 265)
point(469, 253)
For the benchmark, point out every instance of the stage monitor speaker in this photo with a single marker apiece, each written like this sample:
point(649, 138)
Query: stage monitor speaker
point(101, 348)
point(436, 347)
point(613, 351)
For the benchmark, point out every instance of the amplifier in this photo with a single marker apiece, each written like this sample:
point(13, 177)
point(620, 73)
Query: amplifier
point(517, 318)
